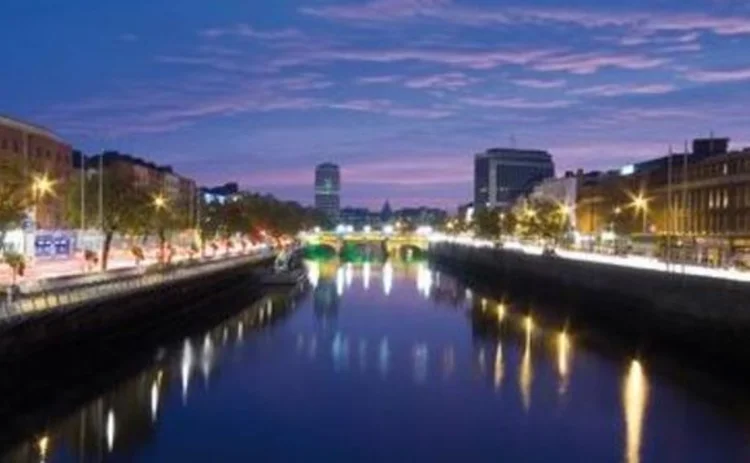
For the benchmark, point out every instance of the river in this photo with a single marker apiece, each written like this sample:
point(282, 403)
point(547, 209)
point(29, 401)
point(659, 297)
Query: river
point(393, 362)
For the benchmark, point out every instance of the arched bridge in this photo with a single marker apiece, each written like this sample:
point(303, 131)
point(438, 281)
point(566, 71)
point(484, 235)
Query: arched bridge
point(394, 244)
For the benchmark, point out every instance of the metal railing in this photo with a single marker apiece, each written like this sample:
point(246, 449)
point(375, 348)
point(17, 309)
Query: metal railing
point(102, 286)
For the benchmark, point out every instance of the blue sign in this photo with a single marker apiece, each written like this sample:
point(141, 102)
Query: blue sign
point(52, 245)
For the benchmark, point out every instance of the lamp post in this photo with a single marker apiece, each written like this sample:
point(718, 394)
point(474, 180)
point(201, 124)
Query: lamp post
point(160, 203)
point(41, 186)
point(640, 203)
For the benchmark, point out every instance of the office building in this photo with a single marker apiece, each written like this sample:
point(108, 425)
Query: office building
point(327, 189)
point(502, 175)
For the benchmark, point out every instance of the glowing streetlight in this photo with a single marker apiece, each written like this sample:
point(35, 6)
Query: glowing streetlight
point(42, 185)
point(565, 210)
point(640, 203)
point(159, 202)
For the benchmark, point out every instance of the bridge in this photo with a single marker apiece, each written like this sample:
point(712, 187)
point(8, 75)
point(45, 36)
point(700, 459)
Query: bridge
point(396, 244)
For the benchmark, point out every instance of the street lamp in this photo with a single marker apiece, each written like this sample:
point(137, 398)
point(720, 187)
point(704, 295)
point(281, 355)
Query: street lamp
point(41, 185)
point(159, 202)
point(640, 203)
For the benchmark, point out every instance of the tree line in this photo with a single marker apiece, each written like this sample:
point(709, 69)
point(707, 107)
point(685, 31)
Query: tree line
point(121, 205)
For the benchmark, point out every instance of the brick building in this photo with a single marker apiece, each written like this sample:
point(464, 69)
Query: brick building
point(709, 193)
point(40, 152)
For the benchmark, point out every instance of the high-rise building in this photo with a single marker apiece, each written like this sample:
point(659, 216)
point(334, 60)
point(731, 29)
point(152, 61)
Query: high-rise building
point(327, 188)
point(502, 175)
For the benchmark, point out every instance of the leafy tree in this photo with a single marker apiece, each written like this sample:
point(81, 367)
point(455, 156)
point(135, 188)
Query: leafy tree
point(126, 206)
point(487, 223)
point(14, 196)
point(508, 223)
point(542, 218)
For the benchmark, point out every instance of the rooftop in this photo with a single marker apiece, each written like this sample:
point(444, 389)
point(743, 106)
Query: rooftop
point(29, 127)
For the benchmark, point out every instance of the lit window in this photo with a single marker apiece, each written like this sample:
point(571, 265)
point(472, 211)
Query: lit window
point(726, 199)
point(725, 169)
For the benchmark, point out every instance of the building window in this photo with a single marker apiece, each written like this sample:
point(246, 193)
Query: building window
point(16, 147)
point(39, 152)
point(725, 169)
point(5, 144)
point(726, 198)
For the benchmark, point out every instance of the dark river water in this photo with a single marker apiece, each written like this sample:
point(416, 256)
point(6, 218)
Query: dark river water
point(392, 363)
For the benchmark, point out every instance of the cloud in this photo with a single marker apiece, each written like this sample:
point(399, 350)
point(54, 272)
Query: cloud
point(591, 62)
point(516, 103)
point(538, 83)
point(371, 80)
point(727, 75)
point(472, 59)
point(450, 11)
point(389, 108)
point(128, 37)
point(448, 81)
point(682, 48)
point(245, 30)
point(624, 89)
point(379, 10)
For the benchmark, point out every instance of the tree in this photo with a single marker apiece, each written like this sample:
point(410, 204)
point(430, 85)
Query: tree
point(487, 223)
point(126, 205)
point(14, 196)
point(542, 218)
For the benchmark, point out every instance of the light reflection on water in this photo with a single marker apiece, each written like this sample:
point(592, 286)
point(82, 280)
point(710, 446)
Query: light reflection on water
point(421, 346)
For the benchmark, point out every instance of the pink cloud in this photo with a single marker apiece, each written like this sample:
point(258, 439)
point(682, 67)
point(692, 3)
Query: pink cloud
point(377, 80)
point(538, 83)
point(378, 10)
point(517, 103)
point(624, 89)
point(728, 75)
point(464, 58)
point(449, 81)
point(449, 11)
point(589, 63)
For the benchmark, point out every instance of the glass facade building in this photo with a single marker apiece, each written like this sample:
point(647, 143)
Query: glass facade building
point(327, 189)
point(502, 175)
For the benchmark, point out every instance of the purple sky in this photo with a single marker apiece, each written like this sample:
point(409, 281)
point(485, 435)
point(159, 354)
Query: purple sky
point(400, 93)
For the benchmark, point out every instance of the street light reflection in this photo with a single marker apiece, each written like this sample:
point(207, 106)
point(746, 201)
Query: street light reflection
point(526, 373)
point(499, 369)
point(500, 312)
point(340, 281)
point(563, 360)
point(635, 402)
point(366, 275)
point(313, 273)
point(387, 278)
point(110, 429)
point(43, 446)
point(186, 365)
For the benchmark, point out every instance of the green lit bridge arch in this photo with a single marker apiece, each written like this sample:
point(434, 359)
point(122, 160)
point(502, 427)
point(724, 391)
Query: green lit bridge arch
point(404, 245)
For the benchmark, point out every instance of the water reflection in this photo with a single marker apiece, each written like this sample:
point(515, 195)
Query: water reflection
point(635, 402)
point(526, 372)
point(499, 369)
point(458, 352)
point(384, 354)
point(387, 277)
point(126, 418)
point(563, 360)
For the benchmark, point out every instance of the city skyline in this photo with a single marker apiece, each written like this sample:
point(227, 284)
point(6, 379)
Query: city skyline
point(400, 93)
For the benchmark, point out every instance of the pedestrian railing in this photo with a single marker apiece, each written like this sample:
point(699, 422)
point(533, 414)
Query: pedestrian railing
point(51, 297)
